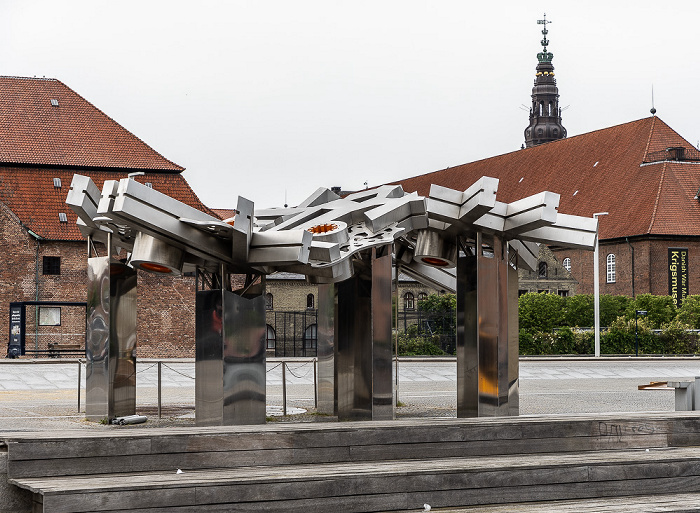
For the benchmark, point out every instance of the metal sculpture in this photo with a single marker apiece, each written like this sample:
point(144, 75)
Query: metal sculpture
point(462, 241)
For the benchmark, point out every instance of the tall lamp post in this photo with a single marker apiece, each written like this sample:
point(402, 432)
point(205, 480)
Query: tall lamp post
point(637, 313)
point(596, 290)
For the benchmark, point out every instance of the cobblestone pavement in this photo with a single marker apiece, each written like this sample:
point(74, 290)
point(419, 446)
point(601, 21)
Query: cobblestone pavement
point(37, 395)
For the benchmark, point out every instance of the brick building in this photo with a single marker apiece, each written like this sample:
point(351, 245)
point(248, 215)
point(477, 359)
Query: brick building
point(48, 133)
point(643, 174)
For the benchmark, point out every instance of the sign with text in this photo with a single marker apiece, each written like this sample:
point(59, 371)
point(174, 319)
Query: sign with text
point(678, 274)
point(16, 342)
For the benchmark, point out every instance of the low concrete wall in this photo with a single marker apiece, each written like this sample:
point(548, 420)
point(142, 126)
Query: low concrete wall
point(12, 499)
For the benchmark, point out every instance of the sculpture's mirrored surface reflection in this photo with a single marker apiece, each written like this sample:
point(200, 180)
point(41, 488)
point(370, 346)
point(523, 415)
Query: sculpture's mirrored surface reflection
point(462, 241)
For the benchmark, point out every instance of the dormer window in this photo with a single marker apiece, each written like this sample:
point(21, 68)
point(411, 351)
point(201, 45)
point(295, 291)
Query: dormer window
point(54, 102)
point(62, 217)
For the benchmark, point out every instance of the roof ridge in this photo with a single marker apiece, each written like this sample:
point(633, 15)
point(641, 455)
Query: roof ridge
point(46, 79)
point(121, 126)
point(658, 195)
point(651, 132)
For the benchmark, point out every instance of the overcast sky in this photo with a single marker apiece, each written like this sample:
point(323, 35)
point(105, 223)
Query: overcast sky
point(271, 98)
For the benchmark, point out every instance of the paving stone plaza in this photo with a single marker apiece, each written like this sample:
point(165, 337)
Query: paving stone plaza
point(43, 394)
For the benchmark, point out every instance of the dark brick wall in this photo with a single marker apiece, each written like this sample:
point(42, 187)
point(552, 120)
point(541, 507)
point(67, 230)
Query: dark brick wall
point(165, 305)
point(650, 266)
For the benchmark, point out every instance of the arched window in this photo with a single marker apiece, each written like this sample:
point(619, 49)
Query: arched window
point(567, 264)
point(541, 105)
point(310, 337)
point(268, 301)
point(270, 336)
point(542, 270)
point(309, 301)
point(610, 268)
point(549, 109)
point(409, 301)
point(422, 296)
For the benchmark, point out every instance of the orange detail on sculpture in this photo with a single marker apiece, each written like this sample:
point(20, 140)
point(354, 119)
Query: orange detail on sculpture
point(156, 268)
point(323, 228)
point(438, 262)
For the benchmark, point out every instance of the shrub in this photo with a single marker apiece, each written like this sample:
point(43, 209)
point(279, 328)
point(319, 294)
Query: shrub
point(415, 346)
point(689, 312)
point(540, 311)
point(660, 309)
point(578, 310)
point(612, 307)
point(675, 338)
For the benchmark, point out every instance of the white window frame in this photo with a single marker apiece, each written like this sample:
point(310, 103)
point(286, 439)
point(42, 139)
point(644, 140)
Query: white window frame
point(567, 264)
point(610, 268)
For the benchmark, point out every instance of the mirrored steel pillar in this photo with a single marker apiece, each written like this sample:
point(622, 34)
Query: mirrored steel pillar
point(487, 335)
point(229, 358)
point(111, 340)
point(362, 340)
point(326, 348)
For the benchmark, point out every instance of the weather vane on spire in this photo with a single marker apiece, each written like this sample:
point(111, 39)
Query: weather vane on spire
point(544, 55)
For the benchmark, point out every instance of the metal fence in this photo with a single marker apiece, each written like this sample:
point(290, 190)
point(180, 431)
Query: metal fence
point(292, 333)
point(441, 327)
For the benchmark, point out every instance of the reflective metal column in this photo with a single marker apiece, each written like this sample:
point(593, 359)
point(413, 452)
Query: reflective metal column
point(111, 340)
point(487, 343)
point(229, 359)
point(363, 379)
point(326, 348)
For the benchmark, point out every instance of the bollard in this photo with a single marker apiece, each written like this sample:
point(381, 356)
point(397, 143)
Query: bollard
point(315, 386)
point(284, 389)
point(159, 390)
point(80, 370)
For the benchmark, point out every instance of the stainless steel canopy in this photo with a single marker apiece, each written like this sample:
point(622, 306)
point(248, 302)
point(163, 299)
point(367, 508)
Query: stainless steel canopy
point(462, 241)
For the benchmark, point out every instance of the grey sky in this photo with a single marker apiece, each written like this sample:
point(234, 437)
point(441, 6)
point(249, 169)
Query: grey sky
point(256, 98)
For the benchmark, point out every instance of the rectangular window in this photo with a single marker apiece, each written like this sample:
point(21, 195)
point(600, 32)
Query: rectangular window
point(563, 293)
point(51, 265)
point(49, 316)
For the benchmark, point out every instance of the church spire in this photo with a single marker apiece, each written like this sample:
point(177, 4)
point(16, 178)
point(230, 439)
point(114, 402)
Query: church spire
point(545, 114)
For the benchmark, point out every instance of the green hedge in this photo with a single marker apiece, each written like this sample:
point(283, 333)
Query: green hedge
point(550, 324)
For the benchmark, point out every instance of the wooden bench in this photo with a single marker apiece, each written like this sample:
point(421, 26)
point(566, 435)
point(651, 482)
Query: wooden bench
point(57, 349)
point(358, 466)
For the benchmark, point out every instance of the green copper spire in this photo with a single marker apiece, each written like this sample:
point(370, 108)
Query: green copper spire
point(544, 55)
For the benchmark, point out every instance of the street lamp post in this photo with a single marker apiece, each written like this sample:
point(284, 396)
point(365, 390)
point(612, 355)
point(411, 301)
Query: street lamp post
point(596, 290)
point(637, 313)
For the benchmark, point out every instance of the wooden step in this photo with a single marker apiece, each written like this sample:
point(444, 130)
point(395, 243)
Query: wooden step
point(676, 502)
point(379, 485)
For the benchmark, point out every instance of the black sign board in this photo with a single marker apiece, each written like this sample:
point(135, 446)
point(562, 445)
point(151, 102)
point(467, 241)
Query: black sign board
point(17, 317)
point(678, 274)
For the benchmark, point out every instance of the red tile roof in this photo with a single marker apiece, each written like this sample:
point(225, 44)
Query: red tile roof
point(32, 197)
point(72, 133)
point(224, 213)
point(624, 170)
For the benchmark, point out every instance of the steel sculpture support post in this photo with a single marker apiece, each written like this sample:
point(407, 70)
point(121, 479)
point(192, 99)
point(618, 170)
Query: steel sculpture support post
point(487, 342)
point(229, 358)
point(325, 333)
point(361, 341)
point(110, 367)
